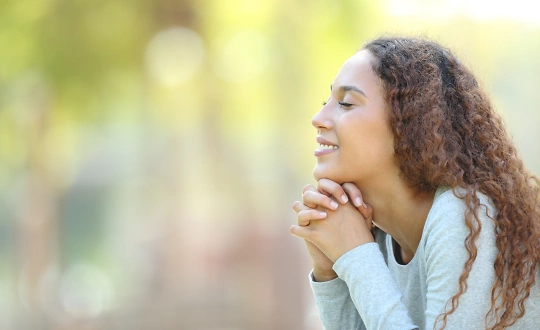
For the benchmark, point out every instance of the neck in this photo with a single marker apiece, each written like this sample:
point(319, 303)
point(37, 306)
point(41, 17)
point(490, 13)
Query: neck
point(398, 210)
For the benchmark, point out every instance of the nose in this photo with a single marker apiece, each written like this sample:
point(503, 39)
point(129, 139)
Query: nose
point(322, 119)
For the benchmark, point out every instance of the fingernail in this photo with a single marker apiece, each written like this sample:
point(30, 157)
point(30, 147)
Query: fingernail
point(344, 198)
point(358, 201)
point(365, 206)
point(322, 214)
point(334, 205)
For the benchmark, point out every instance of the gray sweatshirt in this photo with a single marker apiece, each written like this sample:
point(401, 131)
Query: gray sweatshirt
point(373, 291)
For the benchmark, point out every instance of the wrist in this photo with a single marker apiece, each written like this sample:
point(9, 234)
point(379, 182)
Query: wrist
point(323, 275)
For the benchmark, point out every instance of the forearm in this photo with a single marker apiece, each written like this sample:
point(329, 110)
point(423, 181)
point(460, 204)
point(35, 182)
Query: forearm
point(373, 289)
point(336, 309)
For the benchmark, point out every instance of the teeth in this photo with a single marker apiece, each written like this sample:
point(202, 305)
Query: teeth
point(324, 146)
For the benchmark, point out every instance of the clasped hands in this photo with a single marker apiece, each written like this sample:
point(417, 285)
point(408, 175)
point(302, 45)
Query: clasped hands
point(333, 219)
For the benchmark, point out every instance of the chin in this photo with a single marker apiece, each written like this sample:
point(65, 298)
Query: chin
point(320, 173)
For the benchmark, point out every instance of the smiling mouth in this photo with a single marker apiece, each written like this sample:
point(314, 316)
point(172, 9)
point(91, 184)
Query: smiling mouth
point(327, 147)
point(324, 150)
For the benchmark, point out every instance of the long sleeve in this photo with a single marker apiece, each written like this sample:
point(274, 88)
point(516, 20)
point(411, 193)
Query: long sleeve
point(372, 288)
point(445, 256)
point(441, 256)
point(390, 296)
point(336, 309)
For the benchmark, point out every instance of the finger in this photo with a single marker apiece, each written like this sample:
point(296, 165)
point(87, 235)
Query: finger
point(316, 199)
point(298, 206)
point(311, 188)
point(305, 216)
point(367, 213)
point(308, 187)
point(302, 232)
point(354, 194)
point(332, 188)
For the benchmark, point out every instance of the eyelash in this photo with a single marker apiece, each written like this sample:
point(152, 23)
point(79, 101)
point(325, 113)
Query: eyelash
point(342, 104)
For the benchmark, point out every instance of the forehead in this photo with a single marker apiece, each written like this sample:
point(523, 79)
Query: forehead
point(357, 71)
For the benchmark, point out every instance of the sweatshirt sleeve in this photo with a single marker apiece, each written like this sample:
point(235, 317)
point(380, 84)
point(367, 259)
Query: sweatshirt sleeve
point(372, 288)
point(445, 256)
point(336, 308)
point(378, 298)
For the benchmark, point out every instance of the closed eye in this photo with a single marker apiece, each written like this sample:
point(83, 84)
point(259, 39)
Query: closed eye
point(345, 105)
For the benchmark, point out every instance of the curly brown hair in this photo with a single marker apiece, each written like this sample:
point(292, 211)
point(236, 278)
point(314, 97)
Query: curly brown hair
point(446, 133)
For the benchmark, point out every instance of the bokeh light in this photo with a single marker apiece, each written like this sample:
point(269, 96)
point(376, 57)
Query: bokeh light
point(173, 56)
point(244, 56)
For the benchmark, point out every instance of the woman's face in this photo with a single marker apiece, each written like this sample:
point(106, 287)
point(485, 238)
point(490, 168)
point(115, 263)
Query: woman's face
point(355, 123)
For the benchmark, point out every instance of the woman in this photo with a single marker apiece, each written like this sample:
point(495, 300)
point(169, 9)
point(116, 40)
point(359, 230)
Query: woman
point(410, 144)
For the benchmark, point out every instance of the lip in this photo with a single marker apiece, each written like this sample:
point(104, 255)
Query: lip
point(322, 152)
point(319, 152)
point(323, 141)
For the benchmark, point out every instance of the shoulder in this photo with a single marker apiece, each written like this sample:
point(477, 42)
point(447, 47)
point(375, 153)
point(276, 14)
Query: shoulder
point(449, 207)
point(446, 219)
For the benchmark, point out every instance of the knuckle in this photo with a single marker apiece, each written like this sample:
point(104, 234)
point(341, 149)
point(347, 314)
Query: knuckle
point(327, 183)
point(350, 187)
point(337, 191)
point(307, 188)
point(312, 196)
point(322, 183)
point(307, 195)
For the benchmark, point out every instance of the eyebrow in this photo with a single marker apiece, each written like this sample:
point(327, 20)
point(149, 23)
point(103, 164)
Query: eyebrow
point(348, 88)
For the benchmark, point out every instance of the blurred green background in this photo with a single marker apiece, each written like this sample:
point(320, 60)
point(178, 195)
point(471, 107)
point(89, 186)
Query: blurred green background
point(150, 151)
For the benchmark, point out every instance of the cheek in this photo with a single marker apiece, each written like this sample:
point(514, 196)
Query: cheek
point(370, 142)
point(381, 142)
